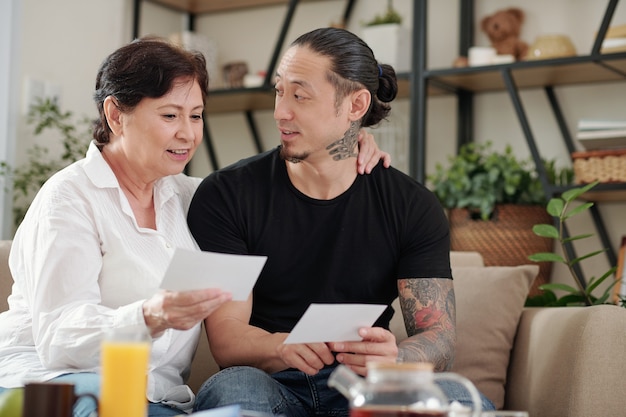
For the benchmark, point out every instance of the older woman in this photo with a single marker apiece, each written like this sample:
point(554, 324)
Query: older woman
point(97, 239)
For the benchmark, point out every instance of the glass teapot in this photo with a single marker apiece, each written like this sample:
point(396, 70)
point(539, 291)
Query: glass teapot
point(398, 390)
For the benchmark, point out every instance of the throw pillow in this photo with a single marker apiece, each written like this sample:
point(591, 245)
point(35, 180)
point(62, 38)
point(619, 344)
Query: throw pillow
point(489, 303)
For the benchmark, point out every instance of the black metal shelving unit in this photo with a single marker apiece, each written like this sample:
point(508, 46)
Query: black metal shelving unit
point(547, 74)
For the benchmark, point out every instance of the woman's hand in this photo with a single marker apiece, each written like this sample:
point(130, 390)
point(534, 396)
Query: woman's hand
point(181, 310)
point(369, 154)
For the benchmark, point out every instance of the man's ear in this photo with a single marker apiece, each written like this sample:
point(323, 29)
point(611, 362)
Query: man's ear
point(360, 103)
point(113, 115)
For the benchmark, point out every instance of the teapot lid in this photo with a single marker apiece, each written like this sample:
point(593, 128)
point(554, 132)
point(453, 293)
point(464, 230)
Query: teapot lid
point(400, 366)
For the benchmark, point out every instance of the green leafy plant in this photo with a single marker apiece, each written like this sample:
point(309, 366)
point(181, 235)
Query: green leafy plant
point(479, 178)
point(390, 16)
point(28, 178)
point(580, 294)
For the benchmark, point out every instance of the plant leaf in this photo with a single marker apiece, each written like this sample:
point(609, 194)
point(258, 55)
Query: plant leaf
point(546, 257)
point(555, 207)
point(574, 193)
point(546, 230)
point(602, 299)
point(573, 300)
point(589, 255)
point(593, 283)
point(546, 299)
point(559, 286)
point(577, 210)
point(577, 237)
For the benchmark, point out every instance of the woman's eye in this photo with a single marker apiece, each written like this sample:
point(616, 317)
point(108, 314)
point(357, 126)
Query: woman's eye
point(197, 117)
point(169, 116)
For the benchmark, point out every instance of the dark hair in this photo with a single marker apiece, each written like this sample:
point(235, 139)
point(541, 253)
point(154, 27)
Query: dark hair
point(353, 66)
point(146, 67)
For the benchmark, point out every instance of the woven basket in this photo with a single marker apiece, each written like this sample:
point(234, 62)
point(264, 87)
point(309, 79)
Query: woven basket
point(602, 165)
point(507, 239)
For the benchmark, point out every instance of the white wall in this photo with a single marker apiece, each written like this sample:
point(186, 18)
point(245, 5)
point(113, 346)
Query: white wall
point(67, 49)
point(10, 13)
point(59, 44)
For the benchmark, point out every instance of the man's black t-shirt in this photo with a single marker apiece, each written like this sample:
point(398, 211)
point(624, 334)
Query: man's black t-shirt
point(351, 249)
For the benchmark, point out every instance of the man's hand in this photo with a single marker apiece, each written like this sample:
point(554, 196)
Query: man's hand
point(369, 155)
point(309, 358)
point(378, 345)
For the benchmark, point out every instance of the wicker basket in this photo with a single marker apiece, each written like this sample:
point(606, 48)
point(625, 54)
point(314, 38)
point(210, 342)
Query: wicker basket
point(601, 165)
point(507, 239)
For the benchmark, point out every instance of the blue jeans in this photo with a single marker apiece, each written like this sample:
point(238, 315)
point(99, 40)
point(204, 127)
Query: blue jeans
point(90, 383)
point(457, 392)
point(291, 393)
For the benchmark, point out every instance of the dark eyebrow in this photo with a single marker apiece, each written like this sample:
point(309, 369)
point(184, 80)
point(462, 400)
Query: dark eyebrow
point(301, 83)
point(177, 107)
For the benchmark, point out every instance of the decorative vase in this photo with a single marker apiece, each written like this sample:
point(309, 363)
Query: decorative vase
point(505, 240)
point(391, 44)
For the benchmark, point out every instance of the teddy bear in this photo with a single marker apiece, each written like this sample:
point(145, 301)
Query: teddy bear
point(503, 29)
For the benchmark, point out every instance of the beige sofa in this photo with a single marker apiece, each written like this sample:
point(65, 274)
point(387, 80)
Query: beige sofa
point(552, 362)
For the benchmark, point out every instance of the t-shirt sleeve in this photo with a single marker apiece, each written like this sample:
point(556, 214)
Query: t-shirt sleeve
point(213, 217)
point(426, 252)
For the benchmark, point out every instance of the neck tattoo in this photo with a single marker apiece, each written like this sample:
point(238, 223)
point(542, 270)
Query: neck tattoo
point(345, 147)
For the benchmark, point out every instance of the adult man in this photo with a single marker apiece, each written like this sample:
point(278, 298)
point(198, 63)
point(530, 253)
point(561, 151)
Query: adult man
point(330, 236)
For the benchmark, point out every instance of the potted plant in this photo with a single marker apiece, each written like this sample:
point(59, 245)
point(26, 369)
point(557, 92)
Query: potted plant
point(389, 39)
point(583, 293)
point(493, 200)
point(28, 178)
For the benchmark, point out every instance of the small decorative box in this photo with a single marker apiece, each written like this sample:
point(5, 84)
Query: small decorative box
point(607, 165)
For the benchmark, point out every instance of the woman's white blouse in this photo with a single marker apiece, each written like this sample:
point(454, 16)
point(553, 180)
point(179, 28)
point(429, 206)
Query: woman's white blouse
point(82, 265)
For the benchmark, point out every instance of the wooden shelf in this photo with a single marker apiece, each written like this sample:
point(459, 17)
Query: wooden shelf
point(215, 6)
point(262, 98)
point(615, 192)
point(527, 74)
point(239, 99)
point(530, 74)
point(606, 196)
point(602, 192)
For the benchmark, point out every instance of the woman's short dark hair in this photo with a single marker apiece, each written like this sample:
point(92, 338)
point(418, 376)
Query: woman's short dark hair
point(353, 66)
point(146, 67)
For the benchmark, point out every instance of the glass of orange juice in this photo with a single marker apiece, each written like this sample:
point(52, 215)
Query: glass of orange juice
point(125, 357)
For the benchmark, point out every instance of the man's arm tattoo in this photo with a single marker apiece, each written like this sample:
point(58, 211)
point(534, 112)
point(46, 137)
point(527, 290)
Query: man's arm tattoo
point(428, 308)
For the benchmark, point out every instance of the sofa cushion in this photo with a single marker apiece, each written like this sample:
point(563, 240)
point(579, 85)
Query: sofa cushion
point(5, 274)
point(489, 303)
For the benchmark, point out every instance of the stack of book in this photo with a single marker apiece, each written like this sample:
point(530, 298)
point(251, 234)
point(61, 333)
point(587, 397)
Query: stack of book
point(601, 134)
